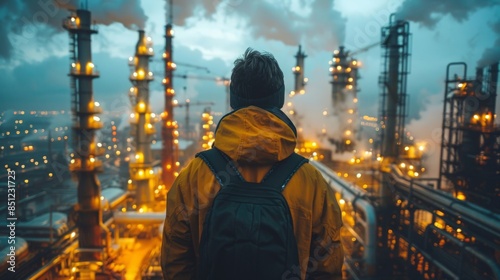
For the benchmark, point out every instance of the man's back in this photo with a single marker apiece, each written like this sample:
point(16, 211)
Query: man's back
point(255, 139)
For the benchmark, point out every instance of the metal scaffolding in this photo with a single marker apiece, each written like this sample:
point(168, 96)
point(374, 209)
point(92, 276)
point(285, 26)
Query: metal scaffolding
point(395, 69)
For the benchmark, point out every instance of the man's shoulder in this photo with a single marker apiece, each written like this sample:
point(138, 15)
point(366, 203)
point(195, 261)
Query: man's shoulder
point(310, 175)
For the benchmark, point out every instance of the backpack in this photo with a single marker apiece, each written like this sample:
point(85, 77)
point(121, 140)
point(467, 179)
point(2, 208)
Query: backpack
point(248, 232)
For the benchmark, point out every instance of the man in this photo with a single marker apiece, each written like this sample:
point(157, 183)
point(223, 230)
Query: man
point(256, 135)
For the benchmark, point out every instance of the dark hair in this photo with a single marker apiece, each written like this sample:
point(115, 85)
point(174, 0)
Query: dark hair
point(256, 75)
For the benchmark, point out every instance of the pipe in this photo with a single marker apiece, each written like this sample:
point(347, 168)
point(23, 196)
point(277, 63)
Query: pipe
point(472, 214)
point(150, 218)
point(494, 267)
point(108, 238)
point(44, 269)
point(357, 197)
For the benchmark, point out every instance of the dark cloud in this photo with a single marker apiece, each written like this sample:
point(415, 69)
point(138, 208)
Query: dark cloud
point(35, 86)
point(45, 85)
point(429, 12)
point(322, 29)
point(36, 19)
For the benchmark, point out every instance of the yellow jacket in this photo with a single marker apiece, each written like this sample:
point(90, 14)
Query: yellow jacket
point(255, 139)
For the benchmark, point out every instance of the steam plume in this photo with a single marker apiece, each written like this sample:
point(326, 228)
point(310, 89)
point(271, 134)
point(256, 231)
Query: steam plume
point(323, 28)
point(429, 12)
point(29, 18)
point(492, 55)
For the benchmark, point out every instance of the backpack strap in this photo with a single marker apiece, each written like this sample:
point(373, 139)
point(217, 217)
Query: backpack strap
point(282, 172)
point(221, 166)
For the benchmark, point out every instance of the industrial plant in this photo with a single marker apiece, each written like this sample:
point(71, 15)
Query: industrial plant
point(93, 203)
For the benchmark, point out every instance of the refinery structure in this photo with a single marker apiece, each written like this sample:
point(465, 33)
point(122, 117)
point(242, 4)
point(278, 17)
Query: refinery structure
point(397, 223)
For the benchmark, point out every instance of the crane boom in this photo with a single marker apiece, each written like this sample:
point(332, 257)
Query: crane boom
point(363, 49)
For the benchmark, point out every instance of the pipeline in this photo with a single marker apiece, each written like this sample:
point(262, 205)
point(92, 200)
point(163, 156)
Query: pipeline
point(358, 199)
point(471, 214)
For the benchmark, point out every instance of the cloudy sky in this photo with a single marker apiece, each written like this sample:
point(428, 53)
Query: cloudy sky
point(211, 33)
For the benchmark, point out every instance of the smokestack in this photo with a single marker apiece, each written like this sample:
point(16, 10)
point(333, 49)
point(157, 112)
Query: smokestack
point(141, 168)
point(492, 86)
point(84, 164)
point(298, 72)
point(169, 163)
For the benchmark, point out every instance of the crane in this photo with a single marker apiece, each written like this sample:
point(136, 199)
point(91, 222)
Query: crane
point(188, 104)
point(363, 49)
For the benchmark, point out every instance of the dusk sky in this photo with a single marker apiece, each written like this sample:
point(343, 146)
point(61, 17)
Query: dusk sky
point(34, 59)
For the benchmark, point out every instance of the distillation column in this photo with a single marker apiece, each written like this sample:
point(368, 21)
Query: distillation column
point(84, 163)
point(344, 71)
point(169, 161)
point(141, 168)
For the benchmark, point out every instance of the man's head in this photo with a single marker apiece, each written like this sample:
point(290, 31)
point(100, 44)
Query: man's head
point(257, 80)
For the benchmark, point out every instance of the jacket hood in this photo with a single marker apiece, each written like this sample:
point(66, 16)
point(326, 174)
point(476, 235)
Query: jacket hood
point(253, 135)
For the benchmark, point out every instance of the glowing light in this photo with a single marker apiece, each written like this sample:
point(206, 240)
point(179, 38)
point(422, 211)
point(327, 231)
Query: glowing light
point(341, 201)
point(461, 196)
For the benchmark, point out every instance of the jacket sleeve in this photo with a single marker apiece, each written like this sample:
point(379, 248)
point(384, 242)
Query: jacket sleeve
point(326, 254)
point(178, 260)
